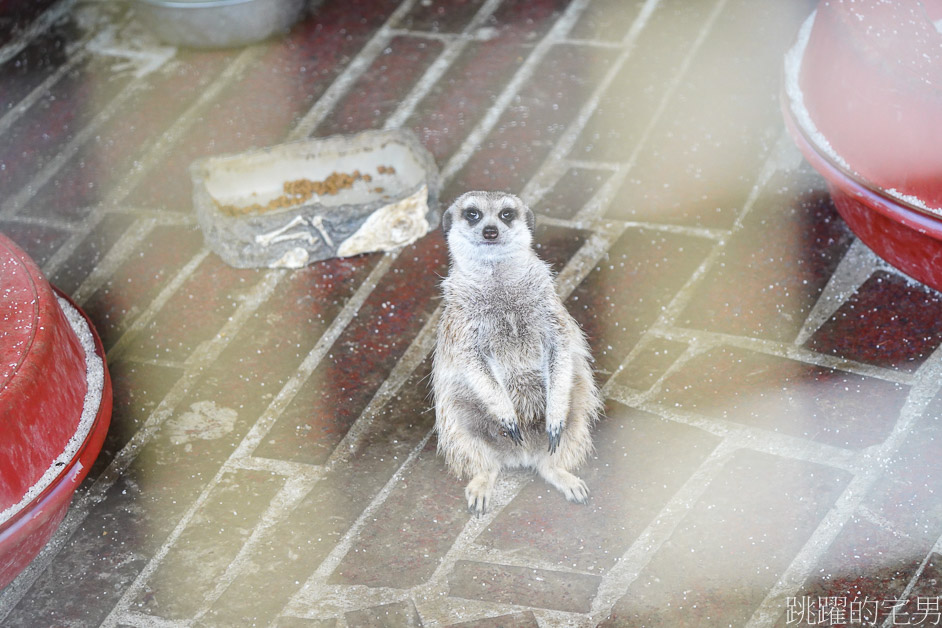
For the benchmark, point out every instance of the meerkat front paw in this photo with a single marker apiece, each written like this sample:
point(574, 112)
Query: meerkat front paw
point(478, 492)
point(555, 433)
point(513, 430)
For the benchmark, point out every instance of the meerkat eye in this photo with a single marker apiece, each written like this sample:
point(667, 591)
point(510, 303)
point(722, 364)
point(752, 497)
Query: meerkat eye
point(472, 214)
point(507, 215)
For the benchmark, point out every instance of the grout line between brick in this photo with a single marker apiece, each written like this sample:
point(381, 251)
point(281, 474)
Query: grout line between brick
point(523, 73)
point(19, 200)
point(857, 265)
point(616, 180)
point(783, 350)
point(454, 46)
point(120, 348)
point(113, 260)
point(554, 166)
point(39, 26)
point(343, 83)
point(617, 580)
point(924, 390)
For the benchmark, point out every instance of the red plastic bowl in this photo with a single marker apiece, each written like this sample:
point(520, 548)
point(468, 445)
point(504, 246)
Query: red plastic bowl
point(863, 101)
point(51, 428)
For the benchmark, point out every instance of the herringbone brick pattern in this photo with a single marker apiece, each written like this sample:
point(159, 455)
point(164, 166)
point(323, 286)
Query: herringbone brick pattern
point(770, 450)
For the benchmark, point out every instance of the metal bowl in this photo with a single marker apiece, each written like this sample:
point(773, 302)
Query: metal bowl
point(218, 23)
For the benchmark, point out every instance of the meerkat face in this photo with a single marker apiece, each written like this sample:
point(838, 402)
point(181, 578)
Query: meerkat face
point(488, 224)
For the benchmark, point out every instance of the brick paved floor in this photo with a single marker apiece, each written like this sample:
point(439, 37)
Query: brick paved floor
point(768, 455)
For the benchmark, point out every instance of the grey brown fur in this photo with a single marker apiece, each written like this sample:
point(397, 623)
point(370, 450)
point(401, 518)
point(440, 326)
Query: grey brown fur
point(512, 374)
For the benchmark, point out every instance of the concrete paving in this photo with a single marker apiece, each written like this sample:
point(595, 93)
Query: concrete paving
point(768, 455)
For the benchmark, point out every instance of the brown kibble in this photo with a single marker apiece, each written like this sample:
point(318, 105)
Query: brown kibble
point(299, 191)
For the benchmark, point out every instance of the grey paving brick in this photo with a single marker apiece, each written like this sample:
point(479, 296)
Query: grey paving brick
point(640, 462)
point(733, 544)
point(505, 584)
point(397, 614)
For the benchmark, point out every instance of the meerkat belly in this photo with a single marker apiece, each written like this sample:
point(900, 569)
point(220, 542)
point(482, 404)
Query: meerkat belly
point(517, 352)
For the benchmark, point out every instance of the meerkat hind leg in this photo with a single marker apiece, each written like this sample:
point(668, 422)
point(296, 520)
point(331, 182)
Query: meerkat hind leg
point(569, 484)
point(479, 491)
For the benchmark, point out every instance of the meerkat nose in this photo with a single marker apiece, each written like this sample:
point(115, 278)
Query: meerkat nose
point(490, 232)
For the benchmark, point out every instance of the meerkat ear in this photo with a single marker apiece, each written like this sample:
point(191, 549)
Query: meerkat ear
point(446, 222)
point(530, 219)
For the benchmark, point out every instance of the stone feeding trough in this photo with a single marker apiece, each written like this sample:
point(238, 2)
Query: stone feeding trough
point(293, 204)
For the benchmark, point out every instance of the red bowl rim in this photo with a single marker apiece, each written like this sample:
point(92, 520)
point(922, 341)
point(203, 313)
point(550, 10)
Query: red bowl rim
point(873, 196)
point(65, 483)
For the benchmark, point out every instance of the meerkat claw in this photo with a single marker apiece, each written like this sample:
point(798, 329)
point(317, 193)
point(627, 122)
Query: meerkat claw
point(513, 430)
point(555, 434)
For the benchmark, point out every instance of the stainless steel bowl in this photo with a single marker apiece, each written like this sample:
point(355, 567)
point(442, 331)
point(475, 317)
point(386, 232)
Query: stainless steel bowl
point(217, 23)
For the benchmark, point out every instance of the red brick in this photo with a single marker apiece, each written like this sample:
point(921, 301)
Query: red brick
point(626, 291)
point(890, 322)
point(195, 312)
point(51, 123)
point(293, 549)
point(90, 252)
point(518, 620)
point(395, 614)
point(782, 395)
point(650, 364)
point(99, 560)
point(526, 20)
point(382, 87)
point(159, 257)
point(459, 100)
point(702, 158)
point(115, 150)
point(361, 358)
point(733, 544)
point(865, 561)
point(791, 242)
point(441, 16)
point(270, 346)
point(880, 549)
point(417, 524)
point(19, 16)
point(41, 57)
point(530, 126)
point(624, 112)
point(606, 20)
point(137, 389)
point(572, 192)
point(38, 241)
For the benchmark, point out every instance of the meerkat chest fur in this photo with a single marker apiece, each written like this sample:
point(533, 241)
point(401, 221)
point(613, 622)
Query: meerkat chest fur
point(509, 313)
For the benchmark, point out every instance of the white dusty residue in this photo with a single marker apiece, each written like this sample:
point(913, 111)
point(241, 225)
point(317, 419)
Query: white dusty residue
point(204, 421)
point(95, 376)
point(134, 48)
point(796, 98)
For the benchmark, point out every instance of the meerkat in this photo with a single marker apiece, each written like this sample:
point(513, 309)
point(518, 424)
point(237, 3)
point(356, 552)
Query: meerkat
point(512, 373)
